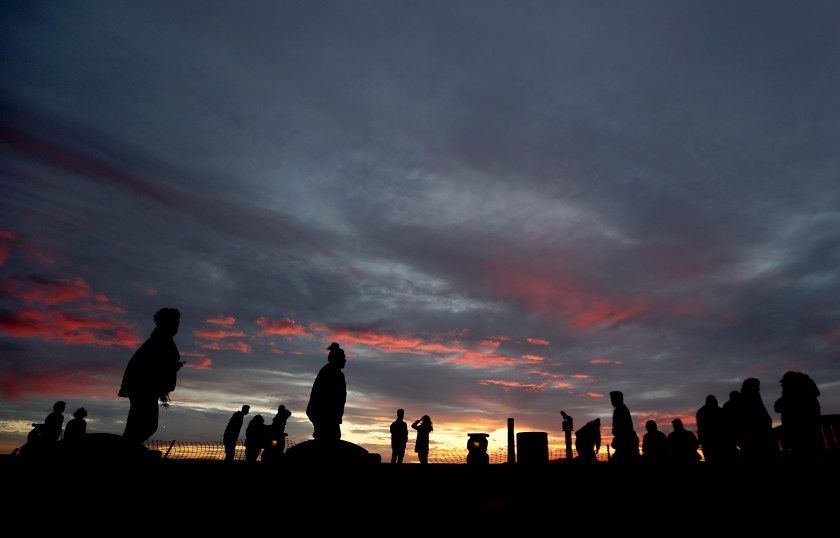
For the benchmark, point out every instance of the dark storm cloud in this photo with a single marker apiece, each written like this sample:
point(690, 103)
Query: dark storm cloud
point(647, 189)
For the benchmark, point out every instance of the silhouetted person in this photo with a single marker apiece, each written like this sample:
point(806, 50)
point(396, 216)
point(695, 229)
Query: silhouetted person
point(588, 442)
point(654, 444)
point(711, 430)
point(399, 437)
point(275, 443)
point(329, 394)
point(682, 444)
point(731, 411)
point(231, 436)
point(76, 427)
point(756, 438)
point(43, 438)
point(53, 424)
point(421, 444)
point(625, 440)
point(255, 435)
point(799, 407)
point(150, 377)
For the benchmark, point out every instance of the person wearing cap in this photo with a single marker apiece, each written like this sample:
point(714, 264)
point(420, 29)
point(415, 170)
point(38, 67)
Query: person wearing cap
point(328, 396)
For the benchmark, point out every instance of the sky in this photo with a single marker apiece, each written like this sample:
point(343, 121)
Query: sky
point(499, 209)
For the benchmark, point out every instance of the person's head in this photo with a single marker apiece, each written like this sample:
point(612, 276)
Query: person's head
point(400, 413)
point(711, 400)
point(283, 412)
point(168, 319)
point(751, 385)
point(650, 425)
point(246, 409)
point(59, 406)
point(336, 356)
point(80, 413)
point(616, 397)
point(677, 424)
point(258, 419)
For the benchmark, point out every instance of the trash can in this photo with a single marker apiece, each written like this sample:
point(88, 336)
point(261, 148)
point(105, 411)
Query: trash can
point(532, 447)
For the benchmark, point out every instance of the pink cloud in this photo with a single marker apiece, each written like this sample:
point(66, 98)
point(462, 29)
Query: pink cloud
point(284, 327)
point(227, 321)
point(60, 326)
point(217, 334)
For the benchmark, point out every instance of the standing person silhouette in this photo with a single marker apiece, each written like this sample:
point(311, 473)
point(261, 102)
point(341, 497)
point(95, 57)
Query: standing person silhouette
point(329, 394)
point(255, 438)
point(399, 437)
point(275, 439)
point(588, 442)
point(625, 440)
point(231, 435)
point(711, 430)
point(730, 412)
point(799, 406)
point(682, 444)
point(654, 444)
point(53, 424)
point(756, 438)
point(150, 377)
point(76, 427)
point(421, 445)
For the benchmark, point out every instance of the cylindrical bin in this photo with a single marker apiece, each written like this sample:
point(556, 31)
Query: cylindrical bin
point(532, 447)
point(477, 448)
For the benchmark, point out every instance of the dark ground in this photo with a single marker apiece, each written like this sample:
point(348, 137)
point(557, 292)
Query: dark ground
point(168, 496)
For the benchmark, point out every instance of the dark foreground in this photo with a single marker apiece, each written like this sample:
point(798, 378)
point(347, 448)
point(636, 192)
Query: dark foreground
point(166, 496)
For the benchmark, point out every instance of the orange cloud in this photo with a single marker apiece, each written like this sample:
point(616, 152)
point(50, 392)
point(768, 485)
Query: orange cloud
point(533, 358)
point(217, 335)
point(514, 384)
point(284, 327)
point(227, 321)
point(203, 364)
point(537, 341)
point(218, 346)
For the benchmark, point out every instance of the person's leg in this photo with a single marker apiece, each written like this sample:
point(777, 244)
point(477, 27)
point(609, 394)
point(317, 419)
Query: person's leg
point(142, 420)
